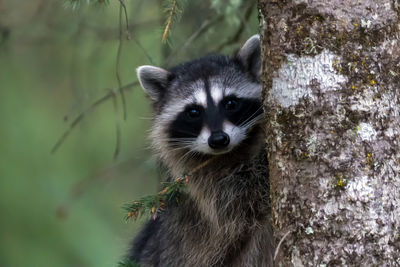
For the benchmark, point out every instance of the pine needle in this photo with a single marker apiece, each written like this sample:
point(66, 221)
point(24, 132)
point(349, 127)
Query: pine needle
point(154, 204)
point(172, 10)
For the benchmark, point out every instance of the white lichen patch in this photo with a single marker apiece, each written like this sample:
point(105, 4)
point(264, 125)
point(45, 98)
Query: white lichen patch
point(389, 132)
point(309, 230)
point(366, 131)
point(365, 23)
point(359, 189)
point(304, 77)
point(312, 144)
point(331, 207)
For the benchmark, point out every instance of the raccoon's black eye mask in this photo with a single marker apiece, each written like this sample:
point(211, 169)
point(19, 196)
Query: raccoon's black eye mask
point(194, 112)
point(156, 81)
point(190, 122)
point(240, 110)
point(231, 104)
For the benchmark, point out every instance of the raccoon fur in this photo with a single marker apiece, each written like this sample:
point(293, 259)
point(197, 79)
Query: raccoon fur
point(209, 112)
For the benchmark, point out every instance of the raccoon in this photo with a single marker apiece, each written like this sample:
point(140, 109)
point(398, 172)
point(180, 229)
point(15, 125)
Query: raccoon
point(207, 118)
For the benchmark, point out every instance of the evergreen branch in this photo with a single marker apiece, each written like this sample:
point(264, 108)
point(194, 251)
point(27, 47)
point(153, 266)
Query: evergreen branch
point(169, 20)
point(174, 10)
point(153, 204)
point(82, 115)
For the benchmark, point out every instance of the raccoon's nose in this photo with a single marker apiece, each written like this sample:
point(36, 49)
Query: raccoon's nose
point(218, 140)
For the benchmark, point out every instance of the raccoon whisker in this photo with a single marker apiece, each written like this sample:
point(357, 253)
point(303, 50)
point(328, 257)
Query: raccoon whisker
point(252, 123)
point(181, 147)
point(185, 157)
point(251, 117)
point(174, 143)
point(181, 138)
point(255, 119)
point(180, 144)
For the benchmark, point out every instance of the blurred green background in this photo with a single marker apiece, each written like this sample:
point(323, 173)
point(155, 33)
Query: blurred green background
point(64, 209)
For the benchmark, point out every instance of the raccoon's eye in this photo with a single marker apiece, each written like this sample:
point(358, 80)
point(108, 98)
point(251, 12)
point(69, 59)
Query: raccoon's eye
point(193, 112)
point(232, 104)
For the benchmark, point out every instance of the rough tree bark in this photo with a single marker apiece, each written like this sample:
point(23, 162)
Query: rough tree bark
point(331, 74)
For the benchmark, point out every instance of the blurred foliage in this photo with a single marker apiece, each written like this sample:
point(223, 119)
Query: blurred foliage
point(64, 209)
point(77, 3)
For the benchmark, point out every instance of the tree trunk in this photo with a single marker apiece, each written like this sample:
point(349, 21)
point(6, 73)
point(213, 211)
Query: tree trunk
point(331, 76)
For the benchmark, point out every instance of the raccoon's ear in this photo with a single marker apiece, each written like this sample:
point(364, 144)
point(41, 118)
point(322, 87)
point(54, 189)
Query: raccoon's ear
point(250, 56)
point(153, 80)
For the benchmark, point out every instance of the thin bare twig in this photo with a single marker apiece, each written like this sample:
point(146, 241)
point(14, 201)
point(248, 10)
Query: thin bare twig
point(99, 176)
point(82, 115)
point(117, 126)
point(128, 34)
point(108, 33)
point(123, 6)
point(122, 9)
point(149, 58)
point(117, 70)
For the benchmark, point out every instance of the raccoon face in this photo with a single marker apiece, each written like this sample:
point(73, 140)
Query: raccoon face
point(207, 106)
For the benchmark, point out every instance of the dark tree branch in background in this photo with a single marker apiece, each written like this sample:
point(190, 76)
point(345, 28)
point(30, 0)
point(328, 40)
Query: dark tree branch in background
point(104, 33)
point(236, 36)
point(122, 8)
point(207, 24)
point(4, 34)
point(128, 34)
point(173, 11)
point(117, 125)
point(82, 186)
point(149, 58)
point(122, 11)
point(82, 115)
point(112, 94)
